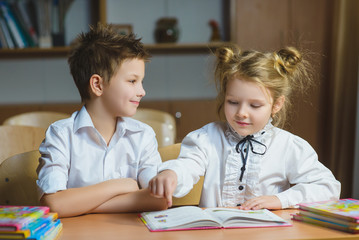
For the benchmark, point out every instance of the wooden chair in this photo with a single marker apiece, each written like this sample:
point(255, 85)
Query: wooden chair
point(165, 136)
point(18, 139)
point(36, 119)
point(163, 123)
point(18, 179)
point(194, 196)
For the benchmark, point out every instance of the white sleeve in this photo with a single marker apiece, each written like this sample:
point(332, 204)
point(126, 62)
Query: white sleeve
point(54, 162)
point(311, 180)
point(150, 159)
point(191, 163)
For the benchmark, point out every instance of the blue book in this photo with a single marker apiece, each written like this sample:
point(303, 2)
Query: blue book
point(47, 231)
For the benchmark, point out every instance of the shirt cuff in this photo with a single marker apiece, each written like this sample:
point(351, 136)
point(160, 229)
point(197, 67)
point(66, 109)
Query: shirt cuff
point(51, 184)
point(283, 198)
point(146, 175)
point(170, 165)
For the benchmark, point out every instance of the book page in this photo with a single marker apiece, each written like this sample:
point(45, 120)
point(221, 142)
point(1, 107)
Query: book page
point(231, 217)
point(178, 218)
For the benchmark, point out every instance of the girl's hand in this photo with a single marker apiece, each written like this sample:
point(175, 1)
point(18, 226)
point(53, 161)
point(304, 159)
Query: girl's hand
point(269, 202)
point(163, 185)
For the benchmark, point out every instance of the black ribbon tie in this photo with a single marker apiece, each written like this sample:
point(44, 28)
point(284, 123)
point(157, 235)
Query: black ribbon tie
point(244, 145)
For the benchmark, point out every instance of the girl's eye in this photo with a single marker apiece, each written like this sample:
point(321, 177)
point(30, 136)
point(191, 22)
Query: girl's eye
point(232, 102)
point(255, 106)
point(132, 81)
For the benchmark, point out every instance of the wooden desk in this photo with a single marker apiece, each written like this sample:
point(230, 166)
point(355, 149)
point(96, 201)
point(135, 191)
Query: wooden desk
point(129, 226)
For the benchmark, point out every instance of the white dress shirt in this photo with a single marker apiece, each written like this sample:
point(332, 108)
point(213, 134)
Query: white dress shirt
point(74, 154)
point(282, 164)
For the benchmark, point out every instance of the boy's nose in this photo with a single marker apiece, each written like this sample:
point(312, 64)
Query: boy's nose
point(141, 92)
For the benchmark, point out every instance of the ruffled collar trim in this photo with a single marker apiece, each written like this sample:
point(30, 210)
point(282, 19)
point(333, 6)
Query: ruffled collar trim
point(265, 133)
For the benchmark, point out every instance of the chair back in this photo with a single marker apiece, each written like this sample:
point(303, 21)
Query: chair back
point(164, 135)
point(194, 196)
point(18, 179)
point(18, 139)
point(36, 119)
point(163, 123)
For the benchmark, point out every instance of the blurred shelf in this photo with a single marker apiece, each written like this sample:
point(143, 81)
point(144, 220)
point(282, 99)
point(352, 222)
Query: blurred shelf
point(162, 48)
point(34, 52)
point(185, 48)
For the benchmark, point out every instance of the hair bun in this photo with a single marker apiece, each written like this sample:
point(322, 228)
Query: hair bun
point(287, 59)
point(226, 54)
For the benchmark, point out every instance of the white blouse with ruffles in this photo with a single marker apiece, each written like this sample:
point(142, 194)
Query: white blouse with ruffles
point(281, 164)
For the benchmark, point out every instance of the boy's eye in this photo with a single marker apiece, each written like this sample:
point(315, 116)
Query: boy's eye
point(132, 81)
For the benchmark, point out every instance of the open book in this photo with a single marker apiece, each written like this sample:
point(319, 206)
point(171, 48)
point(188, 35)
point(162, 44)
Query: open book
point(190, 217)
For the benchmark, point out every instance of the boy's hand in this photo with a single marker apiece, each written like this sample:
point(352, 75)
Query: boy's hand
point(163, 185)
point(269, 202)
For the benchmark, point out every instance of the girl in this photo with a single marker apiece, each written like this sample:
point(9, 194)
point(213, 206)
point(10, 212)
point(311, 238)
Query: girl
point(247, 160)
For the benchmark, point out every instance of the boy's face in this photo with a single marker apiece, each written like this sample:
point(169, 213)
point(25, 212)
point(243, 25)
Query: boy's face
point(122, 95)
point(247, 106)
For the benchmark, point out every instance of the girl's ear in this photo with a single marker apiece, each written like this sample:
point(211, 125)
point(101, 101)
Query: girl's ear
point(278, 105)
point(96, 85)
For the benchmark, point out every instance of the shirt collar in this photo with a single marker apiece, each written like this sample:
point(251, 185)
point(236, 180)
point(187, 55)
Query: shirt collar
point(234, 136)
point(83, 119)
point(129, 124)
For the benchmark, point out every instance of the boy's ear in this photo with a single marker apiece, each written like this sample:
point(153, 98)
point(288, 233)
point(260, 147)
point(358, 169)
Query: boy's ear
point(278, 105)
point(96, 84)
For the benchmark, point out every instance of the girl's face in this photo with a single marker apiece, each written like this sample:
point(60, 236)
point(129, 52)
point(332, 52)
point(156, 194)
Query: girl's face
point(247, 106)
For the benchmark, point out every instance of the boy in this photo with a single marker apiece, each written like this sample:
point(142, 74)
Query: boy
point(94, 161)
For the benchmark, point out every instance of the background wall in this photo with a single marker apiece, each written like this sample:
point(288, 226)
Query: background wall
point(168, 76)
point(356, 153)
point(192, 16)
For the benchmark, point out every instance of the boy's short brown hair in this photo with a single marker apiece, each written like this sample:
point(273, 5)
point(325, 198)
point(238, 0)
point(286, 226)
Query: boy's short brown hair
point(101, 51)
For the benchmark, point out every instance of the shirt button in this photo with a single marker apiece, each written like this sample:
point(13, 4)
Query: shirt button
point(241, 188)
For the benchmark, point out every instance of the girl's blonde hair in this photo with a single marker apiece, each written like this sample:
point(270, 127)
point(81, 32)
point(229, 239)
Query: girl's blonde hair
point(280, 72)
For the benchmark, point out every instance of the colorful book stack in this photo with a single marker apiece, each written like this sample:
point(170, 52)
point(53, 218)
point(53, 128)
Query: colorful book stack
point(28, 222)
point(340, 214)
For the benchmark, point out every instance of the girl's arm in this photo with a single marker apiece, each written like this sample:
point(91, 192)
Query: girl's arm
point(311, 181)
point(77, 201)
point(185, 171)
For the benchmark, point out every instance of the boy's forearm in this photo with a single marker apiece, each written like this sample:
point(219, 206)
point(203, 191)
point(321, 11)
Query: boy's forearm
point(78, 201)
point(138, 201)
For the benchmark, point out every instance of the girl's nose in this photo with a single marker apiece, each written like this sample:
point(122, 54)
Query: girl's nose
point(241, 111)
